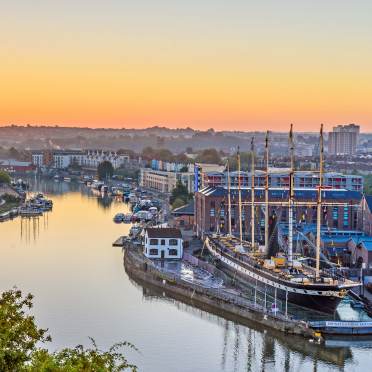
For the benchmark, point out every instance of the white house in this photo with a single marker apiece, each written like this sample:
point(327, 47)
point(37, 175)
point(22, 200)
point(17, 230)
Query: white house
point(163, 243)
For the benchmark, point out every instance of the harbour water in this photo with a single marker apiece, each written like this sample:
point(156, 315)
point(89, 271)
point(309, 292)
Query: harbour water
point(66, 260)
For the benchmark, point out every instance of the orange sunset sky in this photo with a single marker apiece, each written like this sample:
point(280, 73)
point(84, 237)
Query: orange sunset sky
point(234, 65)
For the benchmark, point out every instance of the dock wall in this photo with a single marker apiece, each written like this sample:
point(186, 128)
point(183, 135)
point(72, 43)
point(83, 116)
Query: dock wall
point(240, 309)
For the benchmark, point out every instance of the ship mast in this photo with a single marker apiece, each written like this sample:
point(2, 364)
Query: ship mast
point(291, 199)
point(229, 196)
point(319, 202)
point(267, 194)
point(240, 200)
point(252, 194)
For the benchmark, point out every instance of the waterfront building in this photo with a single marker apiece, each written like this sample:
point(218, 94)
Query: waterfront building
point(343, 140)
point(280, 178)
point(13, 165)
point(163, 243)
point(92, 158)
point(165, 181)
point(211, 209)
point(64, 158)
point(61, 159)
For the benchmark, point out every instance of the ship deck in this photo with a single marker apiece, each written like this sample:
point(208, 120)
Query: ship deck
point(298, 274)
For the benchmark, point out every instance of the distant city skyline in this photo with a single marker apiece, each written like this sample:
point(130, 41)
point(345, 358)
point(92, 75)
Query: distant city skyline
point(240, 65)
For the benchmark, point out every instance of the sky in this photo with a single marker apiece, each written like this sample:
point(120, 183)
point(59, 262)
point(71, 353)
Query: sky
point(227, 65)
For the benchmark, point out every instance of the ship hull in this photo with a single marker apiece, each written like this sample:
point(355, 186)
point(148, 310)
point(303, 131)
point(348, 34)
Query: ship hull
point(321, 304)
point(321, 298)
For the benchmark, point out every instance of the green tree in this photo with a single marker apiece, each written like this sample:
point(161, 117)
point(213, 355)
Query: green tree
point(19, 333)
point(105, 170)
point(180, 194)
point(4, 177)
point(210, 156)
point(20, 336)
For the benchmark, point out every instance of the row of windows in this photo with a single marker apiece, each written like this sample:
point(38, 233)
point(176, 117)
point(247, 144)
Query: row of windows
point(162, 241)
point(155, 252)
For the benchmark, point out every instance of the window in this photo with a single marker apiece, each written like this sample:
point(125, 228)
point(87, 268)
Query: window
point(153, 252)
point(173, 242)
point(162, 242)
point(173, 252)
point(153, 241)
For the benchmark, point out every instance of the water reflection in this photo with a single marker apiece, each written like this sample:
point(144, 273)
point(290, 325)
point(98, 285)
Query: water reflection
point(265, 349)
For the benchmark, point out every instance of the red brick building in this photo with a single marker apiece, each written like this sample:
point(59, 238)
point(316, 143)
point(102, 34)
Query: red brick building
point(211, 209)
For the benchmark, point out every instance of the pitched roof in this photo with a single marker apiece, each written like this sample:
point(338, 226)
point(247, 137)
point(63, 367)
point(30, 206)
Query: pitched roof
point(369, 201)
point(166, 232)
point(283, 193)
point(366, 241)
point(187, 209)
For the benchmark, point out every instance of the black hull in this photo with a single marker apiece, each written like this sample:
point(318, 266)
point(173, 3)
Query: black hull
point(323, 304)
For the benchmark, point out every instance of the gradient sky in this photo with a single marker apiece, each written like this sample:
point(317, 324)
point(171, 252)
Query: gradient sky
point(238, 64)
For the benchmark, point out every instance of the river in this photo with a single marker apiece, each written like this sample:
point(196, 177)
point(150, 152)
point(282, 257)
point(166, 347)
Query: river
point(66, 259)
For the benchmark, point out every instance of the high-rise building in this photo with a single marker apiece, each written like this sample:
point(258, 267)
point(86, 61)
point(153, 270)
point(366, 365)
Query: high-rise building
point(343, 140)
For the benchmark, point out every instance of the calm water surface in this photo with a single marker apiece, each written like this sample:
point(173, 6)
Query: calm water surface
point(66, 260)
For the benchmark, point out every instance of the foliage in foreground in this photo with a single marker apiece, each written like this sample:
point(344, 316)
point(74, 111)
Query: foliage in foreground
point(20, 336)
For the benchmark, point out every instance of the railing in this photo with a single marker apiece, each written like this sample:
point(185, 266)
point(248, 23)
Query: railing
point(217, 293)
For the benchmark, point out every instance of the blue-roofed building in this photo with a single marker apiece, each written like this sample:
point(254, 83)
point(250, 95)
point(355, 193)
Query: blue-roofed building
point(361, 251)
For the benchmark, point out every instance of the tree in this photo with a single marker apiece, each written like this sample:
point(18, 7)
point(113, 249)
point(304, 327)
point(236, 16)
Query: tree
point(210, 156)
point(13, 153)
point(105, 170)
point(180, 194)
point(19, 333)
point(4, 177)
point(19, 336)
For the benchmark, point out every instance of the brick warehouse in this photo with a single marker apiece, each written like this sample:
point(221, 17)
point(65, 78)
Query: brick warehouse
point(211, 209)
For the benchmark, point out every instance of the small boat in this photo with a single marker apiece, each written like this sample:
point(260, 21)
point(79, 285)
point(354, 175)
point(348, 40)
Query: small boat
point(119, 217)
point(67, 179)
point(127, 218)
point(4, 216)
point(30, 212)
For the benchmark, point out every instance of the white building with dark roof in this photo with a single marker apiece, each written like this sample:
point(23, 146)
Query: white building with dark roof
point(163, 243)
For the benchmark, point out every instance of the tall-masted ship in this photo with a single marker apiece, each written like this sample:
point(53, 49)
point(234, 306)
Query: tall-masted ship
point(281, 276)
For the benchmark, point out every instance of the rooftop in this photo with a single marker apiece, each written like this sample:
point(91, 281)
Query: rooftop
point(166, 232)
point(187, 209)
point(369, 201)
